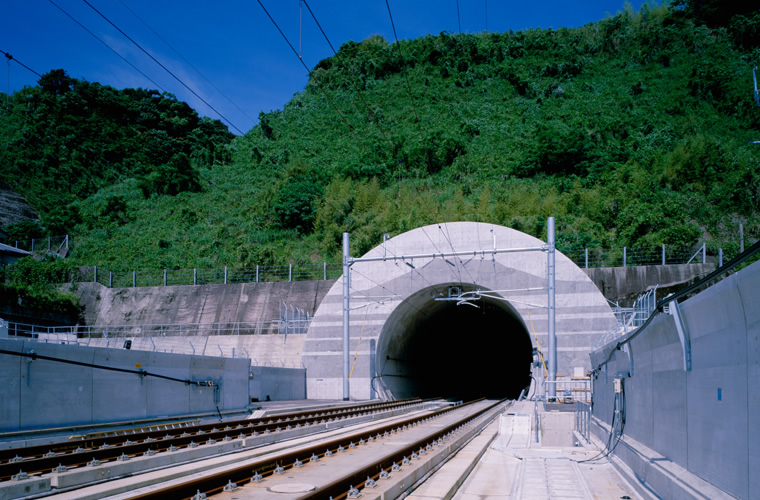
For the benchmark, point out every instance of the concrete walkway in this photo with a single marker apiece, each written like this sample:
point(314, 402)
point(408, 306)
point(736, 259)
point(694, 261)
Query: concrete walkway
point(505, 462)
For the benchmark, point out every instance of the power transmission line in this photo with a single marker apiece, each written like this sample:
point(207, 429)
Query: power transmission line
point(459, 20)
point(11, 58)
point(486, 1)
point(107, 46)
point(358, 92)
point(164, 67)
point(186, 61)
point(309, 73)
point(408, 86)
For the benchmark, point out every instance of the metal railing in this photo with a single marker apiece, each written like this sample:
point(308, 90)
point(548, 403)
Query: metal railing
point(47, 244)
point(583, 419)
point(80, 334)
point(570, 390)
point(629, 318)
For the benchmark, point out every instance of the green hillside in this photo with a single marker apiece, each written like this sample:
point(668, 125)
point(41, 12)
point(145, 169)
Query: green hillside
point(633, 131)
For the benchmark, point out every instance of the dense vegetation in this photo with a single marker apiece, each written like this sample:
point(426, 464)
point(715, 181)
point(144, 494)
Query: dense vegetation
point(631, 131)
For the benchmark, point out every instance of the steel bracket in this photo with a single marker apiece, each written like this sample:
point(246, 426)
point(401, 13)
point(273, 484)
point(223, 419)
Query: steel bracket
point(683, 334)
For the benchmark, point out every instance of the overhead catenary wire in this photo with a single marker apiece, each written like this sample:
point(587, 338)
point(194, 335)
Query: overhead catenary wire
point(321, 88)
point(461, 262)
point(107, 46)
point(164, 67)
point(186, 61)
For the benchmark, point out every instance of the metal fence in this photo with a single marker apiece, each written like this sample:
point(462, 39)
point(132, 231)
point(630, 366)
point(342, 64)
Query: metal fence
point(47, 244)
point(588, 257)
point(221, 276)
point(636, 256)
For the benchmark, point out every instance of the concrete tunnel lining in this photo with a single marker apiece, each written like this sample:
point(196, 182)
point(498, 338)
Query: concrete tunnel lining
point(382, 316)
point(431, 347)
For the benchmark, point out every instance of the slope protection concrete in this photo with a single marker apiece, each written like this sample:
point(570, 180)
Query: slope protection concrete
point(239, 302)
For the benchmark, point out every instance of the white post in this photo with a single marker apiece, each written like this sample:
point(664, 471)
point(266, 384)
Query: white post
point(704, 253)
point(551, 310)
point(625, 257)
point(663, 254)
point(346, 305)
point(586, 257)
point(720, 257)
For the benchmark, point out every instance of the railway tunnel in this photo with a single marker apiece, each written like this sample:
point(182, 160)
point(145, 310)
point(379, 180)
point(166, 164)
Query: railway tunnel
point(434, 345)
point(422, 323)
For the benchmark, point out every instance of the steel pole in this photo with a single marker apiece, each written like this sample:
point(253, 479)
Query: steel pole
point(346, 305)
point(551, 332)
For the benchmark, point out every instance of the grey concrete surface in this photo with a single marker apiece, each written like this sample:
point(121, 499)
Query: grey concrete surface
point(283, 351)
point(701, 423)
point(231, 303)
point(624, 284)
point(41, 393)
point(505, 462)
point(272, 384)
point(392, 304)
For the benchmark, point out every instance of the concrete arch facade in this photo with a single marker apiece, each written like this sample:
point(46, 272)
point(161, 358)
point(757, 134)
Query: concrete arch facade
point(407, 339)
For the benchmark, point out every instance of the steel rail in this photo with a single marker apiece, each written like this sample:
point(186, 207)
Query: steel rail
point(161, 431)
point(278, 463)
point(109, 448)
point(358, 478)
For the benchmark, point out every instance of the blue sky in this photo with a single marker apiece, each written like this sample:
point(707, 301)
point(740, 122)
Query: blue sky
point(245, 65)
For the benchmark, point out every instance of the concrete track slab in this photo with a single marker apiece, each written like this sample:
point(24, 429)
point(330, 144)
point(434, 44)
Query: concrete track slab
point(511, 465)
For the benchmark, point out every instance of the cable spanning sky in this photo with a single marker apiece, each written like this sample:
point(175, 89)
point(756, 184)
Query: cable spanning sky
point(226, 57)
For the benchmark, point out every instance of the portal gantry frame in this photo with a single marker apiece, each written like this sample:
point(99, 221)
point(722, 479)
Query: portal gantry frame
point(548, 248)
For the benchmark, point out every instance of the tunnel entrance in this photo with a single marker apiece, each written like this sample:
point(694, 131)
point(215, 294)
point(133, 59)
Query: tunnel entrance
point(433, 346)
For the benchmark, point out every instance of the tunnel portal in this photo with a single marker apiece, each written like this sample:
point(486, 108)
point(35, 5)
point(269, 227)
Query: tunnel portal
point(403, 342)
point(434, 345)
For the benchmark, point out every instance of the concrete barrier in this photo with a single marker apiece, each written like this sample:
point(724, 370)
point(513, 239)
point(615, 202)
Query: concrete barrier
point(692, 433)
point(40, 393)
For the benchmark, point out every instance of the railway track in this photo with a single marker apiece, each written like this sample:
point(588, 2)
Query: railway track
point(381, 461)
point(21, 463)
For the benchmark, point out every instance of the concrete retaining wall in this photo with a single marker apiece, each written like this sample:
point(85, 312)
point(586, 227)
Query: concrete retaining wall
point(624, 284)
point(241, 302)
point(261, 301)
point(704, 422)
point(40, 393)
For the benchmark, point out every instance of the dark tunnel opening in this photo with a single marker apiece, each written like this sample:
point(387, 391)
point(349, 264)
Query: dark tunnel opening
point(439, 348)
